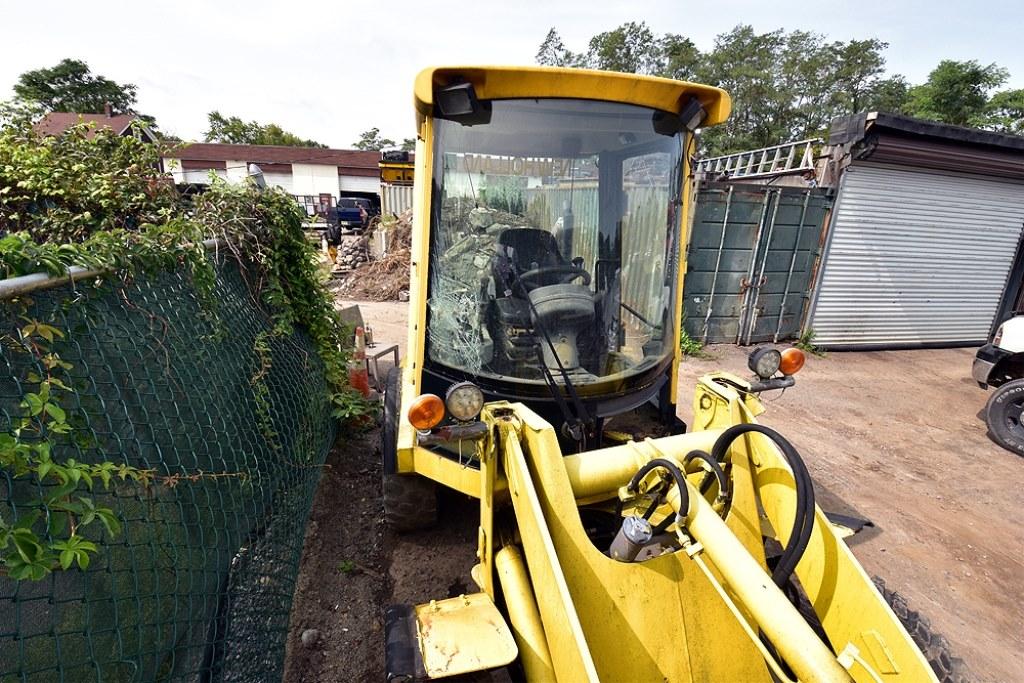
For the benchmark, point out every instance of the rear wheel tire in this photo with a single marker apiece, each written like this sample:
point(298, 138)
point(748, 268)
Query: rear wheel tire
point(947, 668)
point(410, 501)
point(1004, 414)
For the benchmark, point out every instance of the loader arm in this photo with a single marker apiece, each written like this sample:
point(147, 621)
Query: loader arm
point(694, 614)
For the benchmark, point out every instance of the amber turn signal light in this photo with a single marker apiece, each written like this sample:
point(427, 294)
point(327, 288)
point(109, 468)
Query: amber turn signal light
point(792, 360)
point(426, 412)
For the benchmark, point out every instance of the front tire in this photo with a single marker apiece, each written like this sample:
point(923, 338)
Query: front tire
point(410, 501)
point(1004, 414)
point(934, 647)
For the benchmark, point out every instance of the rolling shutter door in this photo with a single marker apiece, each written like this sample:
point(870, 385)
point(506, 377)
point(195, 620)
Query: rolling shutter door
point(915, 257)
point(350, 183)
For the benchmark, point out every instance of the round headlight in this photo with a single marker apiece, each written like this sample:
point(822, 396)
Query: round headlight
point(764, 361)
point(464, 401)
point(426, 412)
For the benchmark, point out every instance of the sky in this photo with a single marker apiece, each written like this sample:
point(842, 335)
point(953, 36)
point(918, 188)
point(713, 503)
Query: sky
point(330, 70)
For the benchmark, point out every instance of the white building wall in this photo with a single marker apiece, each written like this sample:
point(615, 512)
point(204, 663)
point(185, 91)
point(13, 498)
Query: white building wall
point(314, 179)
point(237, 171)
point(282, 180)
point(173, 167)
point(200, 176)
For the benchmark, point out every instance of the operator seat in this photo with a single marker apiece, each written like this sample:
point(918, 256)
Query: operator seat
point(519, 250)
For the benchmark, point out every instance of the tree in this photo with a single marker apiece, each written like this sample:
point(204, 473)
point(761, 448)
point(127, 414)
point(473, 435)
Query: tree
point(553, 52)
point(889, 95)
point(408, 144)
point(747, 66)
point(680, 58)
point(71, 86)
point(629, 48)
point(371, 140)
point(1004, 112)
point(790, 85)
point(956, 92)
point(233, 130)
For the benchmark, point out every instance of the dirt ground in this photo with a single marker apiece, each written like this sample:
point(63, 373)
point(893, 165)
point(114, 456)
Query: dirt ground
point(897, 436)
point(894, 435)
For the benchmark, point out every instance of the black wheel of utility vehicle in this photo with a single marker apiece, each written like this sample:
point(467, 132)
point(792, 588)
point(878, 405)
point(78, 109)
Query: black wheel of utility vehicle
point(410, 501)
point(947, 668)
point(1004, 414)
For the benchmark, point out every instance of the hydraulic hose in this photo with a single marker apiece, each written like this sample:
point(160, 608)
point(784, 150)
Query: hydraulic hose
point(724, 485)
point(677, 476)
point(803, 519)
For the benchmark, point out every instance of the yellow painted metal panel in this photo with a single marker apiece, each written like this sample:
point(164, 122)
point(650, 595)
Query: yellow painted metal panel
point(461, 635)
point(441, 469)
point(844, 598)
point(570, 654)
point(652, 621)
point(506, 82)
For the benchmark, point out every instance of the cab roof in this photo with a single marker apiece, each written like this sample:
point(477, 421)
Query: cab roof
point(508, 82)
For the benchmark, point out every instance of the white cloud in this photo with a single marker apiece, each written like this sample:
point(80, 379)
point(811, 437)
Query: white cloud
point(329, 70)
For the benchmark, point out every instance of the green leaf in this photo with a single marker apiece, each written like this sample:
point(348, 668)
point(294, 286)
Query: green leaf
point(27, 520)
point(58, 383)
point(110, 521)
point(83, 560)
point(67, 506)
point(34, 403)
point(58, 525)
point(55, 494)
point(55, 411)
point(43, 469)
point(26, 544)
point(66, 558)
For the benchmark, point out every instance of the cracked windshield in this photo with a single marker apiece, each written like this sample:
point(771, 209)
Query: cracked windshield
point(553, 229)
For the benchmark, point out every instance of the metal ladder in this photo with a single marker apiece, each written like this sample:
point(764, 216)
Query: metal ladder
point(792, 157)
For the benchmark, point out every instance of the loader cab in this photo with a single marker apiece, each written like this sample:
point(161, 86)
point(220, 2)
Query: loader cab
point(553, 246)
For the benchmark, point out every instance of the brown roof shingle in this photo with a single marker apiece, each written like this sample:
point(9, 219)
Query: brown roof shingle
point(56, 122)
point(353, 161)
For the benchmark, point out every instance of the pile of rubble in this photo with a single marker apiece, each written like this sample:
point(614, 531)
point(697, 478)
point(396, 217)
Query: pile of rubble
point(352, 254)
point(384, 279)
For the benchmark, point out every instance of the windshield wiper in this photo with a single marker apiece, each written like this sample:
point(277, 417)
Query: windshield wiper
point(575, 424)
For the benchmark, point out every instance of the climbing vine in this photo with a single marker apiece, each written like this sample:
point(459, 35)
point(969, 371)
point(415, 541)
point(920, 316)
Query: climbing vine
point(95, 200)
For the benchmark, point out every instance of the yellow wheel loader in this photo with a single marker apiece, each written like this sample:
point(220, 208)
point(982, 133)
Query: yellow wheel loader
point(615, 543)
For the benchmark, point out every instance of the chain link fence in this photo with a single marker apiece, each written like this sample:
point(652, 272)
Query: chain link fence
point(236, 424)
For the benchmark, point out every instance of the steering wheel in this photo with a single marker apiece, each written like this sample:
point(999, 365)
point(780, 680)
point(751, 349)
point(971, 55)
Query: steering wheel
point(530, 280)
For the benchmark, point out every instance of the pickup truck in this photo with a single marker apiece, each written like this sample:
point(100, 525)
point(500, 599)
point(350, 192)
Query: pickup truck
point(352, 213)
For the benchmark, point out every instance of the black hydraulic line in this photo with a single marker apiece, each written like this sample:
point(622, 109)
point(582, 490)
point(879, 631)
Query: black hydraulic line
point(677, 476)
point(659, 499)
point(724, 485)
point(803, 519)
point(661, 526)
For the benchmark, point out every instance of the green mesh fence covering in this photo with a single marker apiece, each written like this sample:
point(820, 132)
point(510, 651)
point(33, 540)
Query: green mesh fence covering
point(198, 585)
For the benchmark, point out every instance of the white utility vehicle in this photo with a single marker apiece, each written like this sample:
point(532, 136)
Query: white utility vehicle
point(1000, 365)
